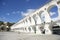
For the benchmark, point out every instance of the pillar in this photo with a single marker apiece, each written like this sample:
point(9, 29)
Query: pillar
point(38, 31)
point(58, 11)
point(27, 30)
point(26, 26)
point(47, 23)
point(28, 22)
point(32, 31)
point(37, 19)
point(47, 28)
point(37, 23)
point(32, 21)
point(47, 17)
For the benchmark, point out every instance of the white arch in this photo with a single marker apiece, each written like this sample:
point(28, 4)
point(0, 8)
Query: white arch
point(37, 19)
point(32, 21)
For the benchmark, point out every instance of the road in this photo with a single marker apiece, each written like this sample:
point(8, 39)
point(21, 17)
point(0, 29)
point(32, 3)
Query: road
point(22, 36)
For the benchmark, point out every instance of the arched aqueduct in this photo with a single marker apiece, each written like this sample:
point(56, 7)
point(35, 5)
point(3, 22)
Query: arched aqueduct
point(33, 23)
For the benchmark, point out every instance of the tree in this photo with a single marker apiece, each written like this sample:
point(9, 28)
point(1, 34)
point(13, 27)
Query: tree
point(1, 23)
point(9, 25)
point(5, 26)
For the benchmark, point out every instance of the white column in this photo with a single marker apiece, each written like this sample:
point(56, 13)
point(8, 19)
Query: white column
point(58, 11)
point(32, 31)
point(27, 29)
point(47, 29)
point(47, 17)
point(47, 23)
point(38, 20)
point(38, 31)
point(32, 21)
point(28, 22)
point(25, 24)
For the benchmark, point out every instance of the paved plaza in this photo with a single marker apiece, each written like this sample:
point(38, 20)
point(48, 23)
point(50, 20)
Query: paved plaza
point(24, 36)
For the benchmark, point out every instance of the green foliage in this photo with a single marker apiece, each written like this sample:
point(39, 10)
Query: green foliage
point(4, 28)
point(10, 24)
point(1, 23)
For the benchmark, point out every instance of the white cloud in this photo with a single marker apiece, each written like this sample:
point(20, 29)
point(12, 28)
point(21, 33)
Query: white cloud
point(29, 11)
point(52, 13)
point(15, 12)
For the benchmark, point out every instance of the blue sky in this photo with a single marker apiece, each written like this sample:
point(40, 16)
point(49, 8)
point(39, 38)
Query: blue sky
point(11, 10)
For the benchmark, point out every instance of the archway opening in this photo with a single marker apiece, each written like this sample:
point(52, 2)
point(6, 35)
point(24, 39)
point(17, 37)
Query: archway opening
point(42, 16)
point(53, 11)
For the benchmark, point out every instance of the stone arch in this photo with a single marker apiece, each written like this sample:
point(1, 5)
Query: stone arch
point(40, 14)
point(29, 28)
point(34, 18)
point(34, 29)
point(42, 29)
point(29, 19)
point(48, 9)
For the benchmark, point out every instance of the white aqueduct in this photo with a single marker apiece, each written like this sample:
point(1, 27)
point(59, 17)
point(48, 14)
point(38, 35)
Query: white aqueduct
point(33, 23)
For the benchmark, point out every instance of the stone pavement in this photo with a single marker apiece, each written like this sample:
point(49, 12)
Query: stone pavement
point(24, 36)
point(8, 36)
